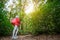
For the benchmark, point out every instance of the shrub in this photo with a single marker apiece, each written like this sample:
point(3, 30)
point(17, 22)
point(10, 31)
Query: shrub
point(5, 26)
point(45, 20)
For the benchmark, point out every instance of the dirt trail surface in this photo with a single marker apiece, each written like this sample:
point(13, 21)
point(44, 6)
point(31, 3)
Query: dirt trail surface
point(30, 37)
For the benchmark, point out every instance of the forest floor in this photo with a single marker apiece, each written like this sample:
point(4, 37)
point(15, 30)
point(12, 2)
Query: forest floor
point(30, 37)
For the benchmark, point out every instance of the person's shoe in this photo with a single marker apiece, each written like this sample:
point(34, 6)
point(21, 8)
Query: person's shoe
point(15, 37)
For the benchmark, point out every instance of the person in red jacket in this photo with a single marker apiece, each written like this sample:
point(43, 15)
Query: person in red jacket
point(16, 22)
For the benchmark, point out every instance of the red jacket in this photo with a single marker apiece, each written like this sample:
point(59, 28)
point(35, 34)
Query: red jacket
point(15, 21)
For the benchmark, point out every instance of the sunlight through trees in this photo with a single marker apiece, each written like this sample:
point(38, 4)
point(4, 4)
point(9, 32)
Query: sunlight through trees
point(37, 16)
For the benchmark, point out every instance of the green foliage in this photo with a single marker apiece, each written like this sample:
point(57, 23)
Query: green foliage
point(5, 26)
point(45, 20)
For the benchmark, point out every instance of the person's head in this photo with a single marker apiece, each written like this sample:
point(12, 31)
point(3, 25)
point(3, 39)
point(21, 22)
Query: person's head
point(17, 16)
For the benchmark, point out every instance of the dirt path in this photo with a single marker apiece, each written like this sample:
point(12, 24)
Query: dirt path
point(30, 37)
